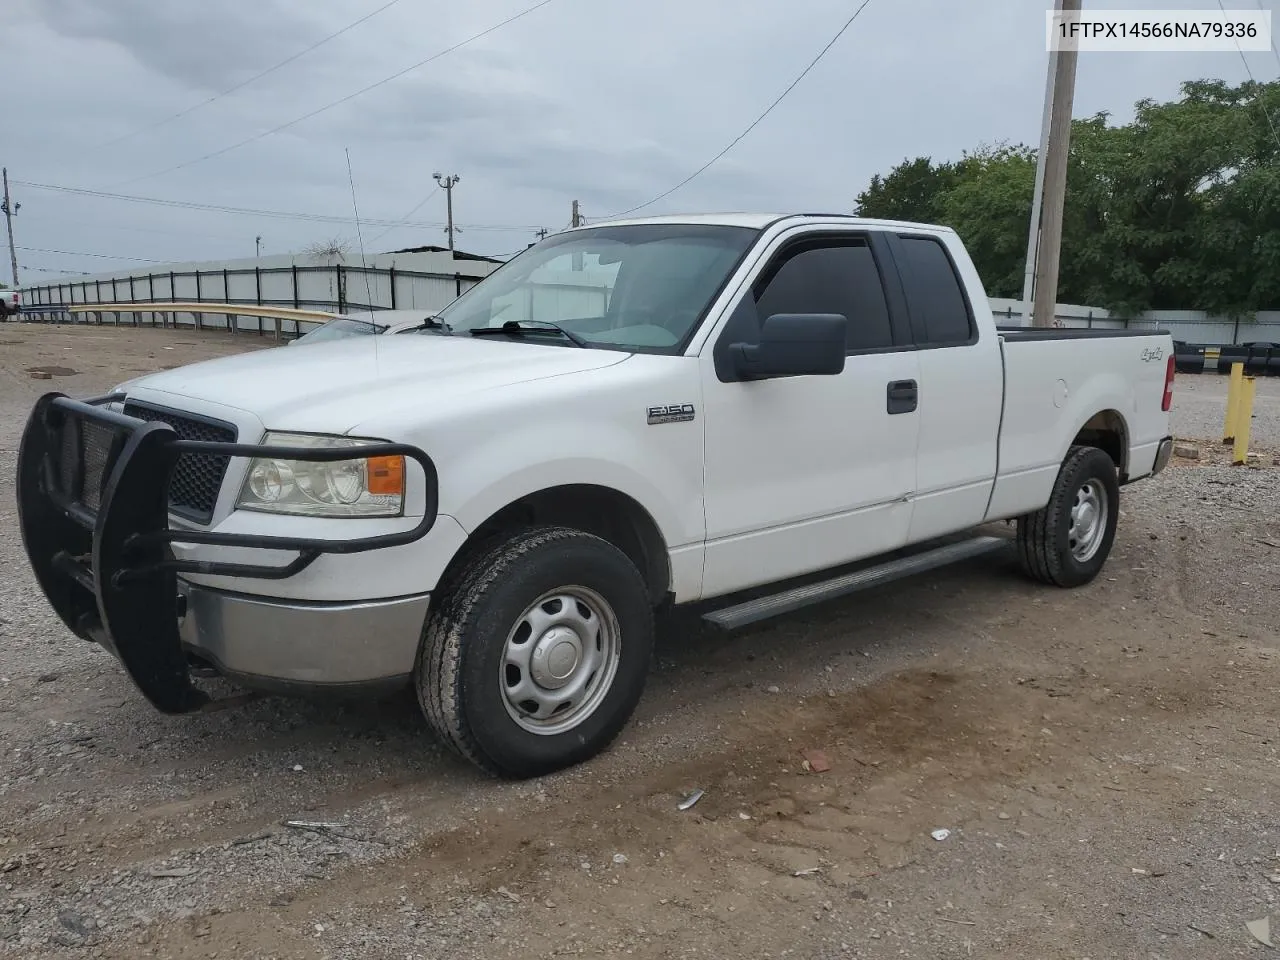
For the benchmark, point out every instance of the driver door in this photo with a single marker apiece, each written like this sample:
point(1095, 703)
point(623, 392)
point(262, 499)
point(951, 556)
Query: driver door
point(809, 472)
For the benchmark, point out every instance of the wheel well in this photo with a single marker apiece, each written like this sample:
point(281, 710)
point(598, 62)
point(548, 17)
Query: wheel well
point(600, 511)
point(1107, 432)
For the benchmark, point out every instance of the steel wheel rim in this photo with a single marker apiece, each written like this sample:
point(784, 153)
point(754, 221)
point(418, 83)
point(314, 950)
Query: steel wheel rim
point(559, 660)
point(1090, 512)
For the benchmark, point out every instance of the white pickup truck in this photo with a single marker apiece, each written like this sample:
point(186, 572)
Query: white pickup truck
point(10, 303)
point(680, 410)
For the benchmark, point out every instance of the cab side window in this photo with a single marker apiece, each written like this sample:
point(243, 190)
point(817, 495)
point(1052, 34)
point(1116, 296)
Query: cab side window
point(936, 294)
point(830, 276)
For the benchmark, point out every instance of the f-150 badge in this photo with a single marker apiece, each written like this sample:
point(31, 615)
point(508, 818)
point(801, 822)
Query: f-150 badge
point(672, 413)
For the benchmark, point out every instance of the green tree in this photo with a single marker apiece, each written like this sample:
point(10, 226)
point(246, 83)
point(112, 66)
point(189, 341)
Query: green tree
point(1180, 208)
point(990, 207)
point(913, 190)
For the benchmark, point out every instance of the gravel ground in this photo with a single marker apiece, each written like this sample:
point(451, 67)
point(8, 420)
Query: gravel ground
point(1201, 407)
point(1104, 758)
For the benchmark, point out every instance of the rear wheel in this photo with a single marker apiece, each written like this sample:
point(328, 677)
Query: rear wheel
point(1067, 542)
point(535, 656)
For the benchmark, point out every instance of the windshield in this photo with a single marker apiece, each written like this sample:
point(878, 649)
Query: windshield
point(638, 288)
point(340, 329)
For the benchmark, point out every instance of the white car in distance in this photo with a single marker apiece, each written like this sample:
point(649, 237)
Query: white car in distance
point(363, 324)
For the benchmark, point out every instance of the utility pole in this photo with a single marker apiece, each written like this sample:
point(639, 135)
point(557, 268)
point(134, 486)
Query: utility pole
point(257, 245)
point(447, 183)
point(1033, 233)
point(10, 210)
point(575, 220)
point(1052, 173)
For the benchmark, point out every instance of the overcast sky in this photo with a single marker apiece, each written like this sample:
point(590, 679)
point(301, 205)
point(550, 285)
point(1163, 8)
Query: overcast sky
point(607, 101)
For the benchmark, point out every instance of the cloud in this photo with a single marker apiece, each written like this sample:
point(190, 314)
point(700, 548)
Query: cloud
point(205, 46)
point(609, 103)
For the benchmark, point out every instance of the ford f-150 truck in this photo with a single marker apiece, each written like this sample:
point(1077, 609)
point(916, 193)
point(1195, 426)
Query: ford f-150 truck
point(728, 410)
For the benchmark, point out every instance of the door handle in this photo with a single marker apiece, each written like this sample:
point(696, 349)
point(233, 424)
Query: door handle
point(902, 396)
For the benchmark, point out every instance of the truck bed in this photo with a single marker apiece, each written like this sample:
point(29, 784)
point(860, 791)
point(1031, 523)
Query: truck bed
point(1060, 381)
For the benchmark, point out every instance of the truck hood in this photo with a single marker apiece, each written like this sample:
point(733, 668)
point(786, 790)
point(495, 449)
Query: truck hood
point(331, 387)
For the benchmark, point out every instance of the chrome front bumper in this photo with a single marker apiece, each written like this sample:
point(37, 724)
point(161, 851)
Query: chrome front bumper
point(292, 644)
point(93, 507)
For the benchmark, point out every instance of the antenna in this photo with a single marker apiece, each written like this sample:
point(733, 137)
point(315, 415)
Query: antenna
point(364, 265)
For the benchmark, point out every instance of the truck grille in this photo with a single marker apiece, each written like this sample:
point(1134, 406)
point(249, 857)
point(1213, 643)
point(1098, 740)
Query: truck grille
point(197, 477)
point(85, 461)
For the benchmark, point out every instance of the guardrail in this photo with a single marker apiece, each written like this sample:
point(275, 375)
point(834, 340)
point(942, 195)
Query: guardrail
point(275, 321)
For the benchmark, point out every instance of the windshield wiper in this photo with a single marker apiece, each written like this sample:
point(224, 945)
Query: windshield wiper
point(520, 327)
point(433, 323)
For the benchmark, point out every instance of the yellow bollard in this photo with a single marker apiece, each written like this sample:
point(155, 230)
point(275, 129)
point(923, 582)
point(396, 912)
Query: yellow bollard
point(1233, 403)
point(1244, 417)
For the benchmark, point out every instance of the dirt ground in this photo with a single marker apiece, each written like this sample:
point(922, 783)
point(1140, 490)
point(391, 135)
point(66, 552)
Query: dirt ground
point(1105, 760)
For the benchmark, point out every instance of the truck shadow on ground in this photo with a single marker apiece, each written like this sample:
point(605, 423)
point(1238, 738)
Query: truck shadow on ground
point(237, 770)
point(692, 659)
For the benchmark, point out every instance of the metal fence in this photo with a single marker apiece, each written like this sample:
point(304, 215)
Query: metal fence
point(1189, 326)
point(338, 289)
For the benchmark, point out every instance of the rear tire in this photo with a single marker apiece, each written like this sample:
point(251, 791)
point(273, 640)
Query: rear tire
point(534, 657)
point(1066, 543)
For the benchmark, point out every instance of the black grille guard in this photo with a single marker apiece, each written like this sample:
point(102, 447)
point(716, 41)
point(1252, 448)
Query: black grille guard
point(94, 514)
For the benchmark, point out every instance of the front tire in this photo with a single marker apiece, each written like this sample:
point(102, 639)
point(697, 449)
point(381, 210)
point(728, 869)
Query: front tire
point(535, 655)
point(1066, 543)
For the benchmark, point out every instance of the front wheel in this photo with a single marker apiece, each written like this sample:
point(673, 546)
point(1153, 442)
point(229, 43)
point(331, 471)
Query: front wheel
point(535, 656)
point(1067, 542)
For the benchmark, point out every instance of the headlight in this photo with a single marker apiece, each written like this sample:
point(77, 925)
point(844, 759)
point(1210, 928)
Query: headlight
point(361, 487)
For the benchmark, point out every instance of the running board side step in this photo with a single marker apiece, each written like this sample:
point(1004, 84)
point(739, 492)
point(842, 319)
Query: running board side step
point(796, 598)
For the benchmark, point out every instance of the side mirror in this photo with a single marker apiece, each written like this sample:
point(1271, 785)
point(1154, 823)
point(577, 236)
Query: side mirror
point(794, 345)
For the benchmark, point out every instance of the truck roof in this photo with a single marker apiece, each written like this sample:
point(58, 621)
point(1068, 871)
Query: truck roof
point(759, 221)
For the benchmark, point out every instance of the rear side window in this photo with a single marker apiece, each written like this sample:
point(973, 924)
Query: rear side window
point(831, 277)
point(936, 292)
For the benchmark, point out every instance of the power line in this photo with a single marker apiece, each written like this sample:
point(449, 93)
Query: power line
point(1261, 102)
point(754, 123)
point(250, 211)
point(1274, 51)
point(64, 273)
point(254, 79)
point(81, 253)
point(351, 96)
point(403, 220)
point(108, 225)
